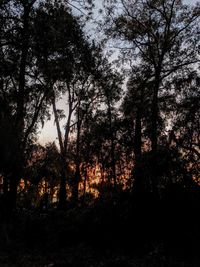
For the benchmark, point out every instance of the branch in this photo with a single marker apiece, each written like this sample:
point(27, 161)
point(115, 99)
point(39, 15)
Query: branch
point(178, 67)
point(34, 119)
point(184, 28)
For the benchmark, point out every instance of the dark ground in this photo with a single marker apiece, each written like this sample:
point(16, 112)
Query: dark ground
point(127, 231)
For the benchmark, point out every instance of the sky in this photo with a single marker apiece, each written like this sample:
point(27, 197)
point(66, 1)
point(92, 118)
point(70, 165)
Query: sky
point(48, 133)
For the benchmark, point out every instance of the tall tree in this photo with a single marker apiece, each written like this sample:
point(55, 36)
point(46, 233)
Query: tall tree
point(66, 62)
point(164, 34)
point(23, 95)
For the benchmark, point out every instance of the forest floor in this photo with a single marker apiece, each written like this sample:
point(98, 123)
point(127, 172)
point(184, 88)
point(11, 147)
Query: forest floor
point(17, 254)
point(103, 235)
point(83, 256)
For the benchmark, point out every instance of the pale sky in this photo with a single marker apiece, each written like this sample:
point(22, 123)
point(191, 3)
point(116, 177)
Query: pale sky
point(49, 133)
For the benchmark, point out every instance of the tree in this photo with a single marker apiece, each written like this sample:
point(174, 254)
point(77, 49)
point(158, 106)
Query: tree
point(66, 62)
point(23, 95)
point(99, 124)
point(111, 91)
point(184, 134)
point(42, 175)
point(163, 34)
point(136, 104)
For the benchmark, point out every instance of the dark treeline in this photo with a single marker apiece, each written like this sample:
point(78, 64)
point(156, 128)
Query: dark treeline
point(120, 184)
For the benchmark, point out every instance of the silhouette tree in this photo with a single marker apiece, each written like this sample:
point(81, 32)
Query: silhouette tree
point(21, 91)
point(185, 130)
point(67, 64)
point(164, 34)
point(43, 173)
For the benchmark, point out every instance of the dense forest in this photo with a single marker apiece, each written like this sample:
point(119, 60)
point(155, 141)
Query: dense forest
point(120, 184)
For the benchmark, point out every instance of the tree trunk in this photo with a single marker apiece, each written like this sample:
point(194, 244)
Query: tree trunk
point(154, 121)
point(62, 192)
point(138, 179)
point(19, 126)
point(112, 151)
point(77, 160)
point(84, 183)
point(138, 135)
point(76, 186)
point(154, 136)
